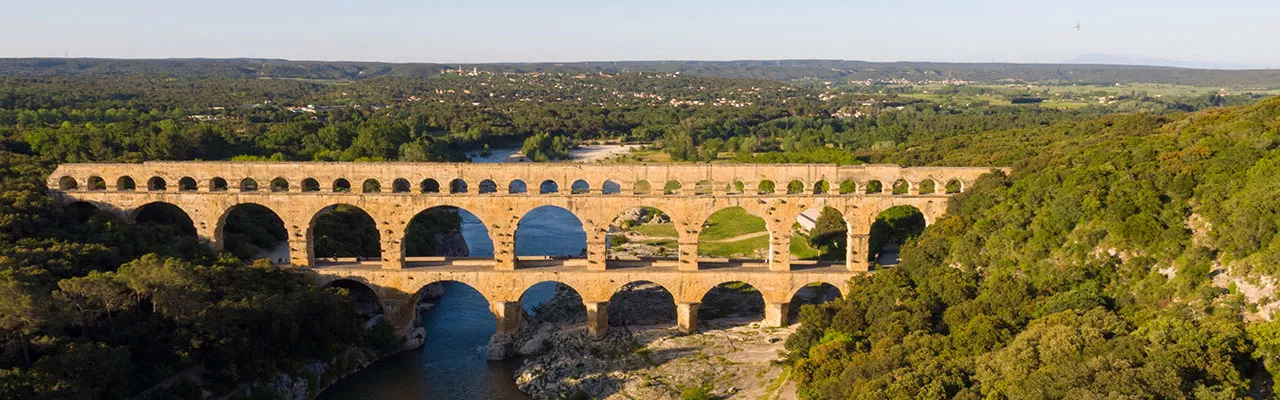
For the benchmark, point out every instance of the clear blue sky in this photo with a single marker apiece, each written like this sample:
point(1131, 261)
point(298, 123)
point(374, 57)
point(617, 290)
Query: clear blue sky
point(1245, 32)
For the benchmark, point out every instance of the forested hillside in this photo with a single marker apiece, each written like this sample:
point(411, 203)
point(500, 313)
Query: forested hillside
point(780, 70)
point(1110, 264)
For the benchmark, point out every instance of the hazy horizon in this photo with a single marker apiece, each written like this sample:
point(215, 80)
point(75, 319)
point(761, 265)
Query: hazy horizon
point(1172, 33)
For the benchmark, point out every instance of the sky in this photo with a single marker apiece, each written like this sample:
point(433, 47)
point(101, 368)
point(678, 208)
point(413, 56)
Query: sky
point(1232, 33)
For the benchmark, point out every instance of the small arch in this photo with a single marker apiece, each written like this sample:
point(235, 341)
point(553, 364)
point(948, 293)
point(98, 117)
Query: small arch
point(187, 184)
point(795, 187)
point(279, 184)
point(672, 187)
point(310, 185)
point(848, 186)
point(362, 296)
point(156, 184)
point(248, 185)
point(371, 186)
point(400, 185)
point(125, 183)
point(928, 186)
point(429, 186)
point(821, 187)
point(457, 186)
point(766, 187)
point(732, 303)
point(217, 185)
point(579, 187)
point(488, 186)
point(954, 186)
point(703, 187)
point(567, 307)
point(737, 187)
point(641, 187)
point(341, 185)
point(874, 186)
point(67, 183)
point(657, 301)
point(901, 186)
point(517, 186)
point(96, 183)
point(548, 187)
point(611, 187)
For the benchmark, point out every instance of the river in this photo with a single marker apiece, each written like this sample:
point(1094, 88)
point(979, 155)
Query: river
point(451, 364)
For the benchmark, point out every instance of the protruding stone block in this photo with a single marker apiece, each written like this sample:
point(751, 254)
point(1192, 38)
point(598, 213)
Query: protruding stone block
point(508, 315)
point(597, 318)
point(687, 317)
point(775, 314)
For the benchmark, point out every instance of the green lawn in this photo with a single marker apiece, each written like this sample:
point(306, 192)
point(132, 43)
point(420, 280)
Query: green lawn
point(800, 249)
point(731, 222)
point(741, 248)
point(657, 230)
point(668, 243)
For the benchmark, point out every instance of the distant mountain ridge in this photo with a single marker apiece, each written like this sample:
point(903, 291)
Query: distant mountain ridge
point(782, 70)
point(1108, 59)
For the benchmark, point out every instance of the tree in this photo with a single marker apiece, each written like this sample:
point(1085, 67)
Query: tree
point(829, 233)
point(23, 310)
point(173, 286)
point(95, 295)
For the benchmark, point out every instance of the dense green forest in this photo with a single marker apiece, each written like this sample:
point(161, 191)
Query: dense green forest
point(1095, 270)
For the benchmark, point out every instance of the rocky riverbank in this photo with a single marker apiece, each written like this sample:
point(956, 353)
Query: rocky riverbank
point(727, 359)
point(644, 356)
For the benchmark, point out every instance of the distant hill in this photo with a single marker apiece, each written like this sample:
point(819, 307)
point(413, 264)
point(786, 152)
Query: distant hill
point(1096, 58)
point(782, 70)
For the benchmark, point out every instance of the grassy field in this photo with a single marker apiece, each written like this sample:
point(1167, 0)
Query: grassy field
point(656, 230)
point(731, 222)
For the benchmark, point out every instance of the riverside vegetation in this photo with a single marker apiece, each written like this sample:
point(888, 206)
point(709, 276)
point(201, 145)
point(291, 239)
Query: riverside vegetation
point(1129, 254)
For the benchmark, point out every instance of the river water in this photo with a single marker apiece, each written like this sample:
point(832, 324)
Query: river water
point(451, 364)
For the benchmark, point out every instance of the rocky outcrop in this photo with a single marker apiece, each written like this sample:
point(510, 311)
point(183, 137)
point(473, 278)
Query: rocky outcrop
point(452, 244)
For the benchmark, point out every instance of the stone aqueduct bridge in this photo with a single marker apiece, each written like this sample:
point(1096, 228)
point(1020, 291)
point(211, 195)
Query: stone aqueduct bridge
point(393, 193)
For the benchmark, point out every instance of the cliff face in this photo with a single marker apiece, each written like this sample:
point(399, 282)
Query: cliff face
point(452, 244)
point(436, 232)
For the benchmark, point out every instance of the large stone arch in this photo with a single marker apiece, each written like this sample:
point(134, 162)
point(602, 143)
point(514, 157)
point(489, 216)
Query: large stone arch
point(219, 230)
point(358, 288)
point(523, 218)
point(526, 300)
point(750, 209)
point(624, 297)
point(133, 214)
point(478, 213)
point(315, 214)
